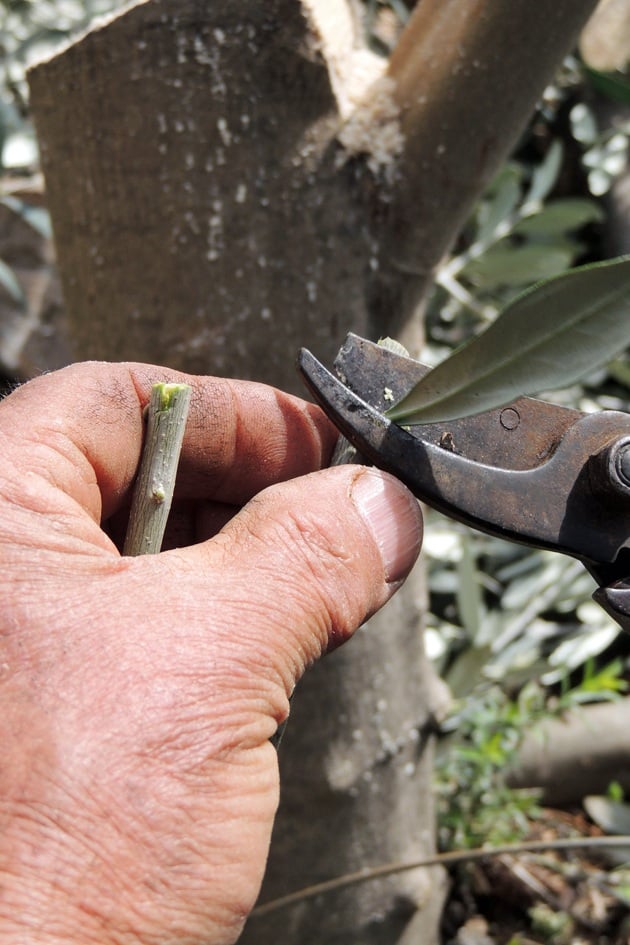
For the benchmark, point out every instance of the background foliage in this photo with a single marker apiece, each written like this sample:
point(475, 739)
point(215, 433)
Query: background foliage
point(30, 30)
point(513, 630)
point(523, 612)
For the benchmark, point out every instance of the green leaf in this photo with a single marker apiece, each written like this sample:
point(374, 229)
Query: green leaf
point(509, 265)
point(607, 680)
point(500, 201)
point(612, 816)
point(559, 217)
point(614, 85)
point(619, 370)
point(10, 284)
point(549, 337)
point(546, 174)
point(36, 217)
point(469, 596)
point(583, 124)
point(615, 792)
point(464, 673)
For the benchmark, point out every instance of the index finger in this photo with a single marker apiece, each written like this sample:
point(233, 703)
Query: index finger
point(240, 436)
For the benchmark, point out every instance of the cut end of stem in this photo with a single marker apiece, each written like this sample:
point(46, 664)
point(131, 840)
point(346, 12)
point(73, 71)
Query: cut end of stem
point(166, 392)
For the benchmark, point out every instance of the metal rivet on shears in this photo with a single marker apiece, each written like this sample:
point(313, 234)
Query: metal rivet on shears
point(616, 468)
point(509, 418)
point(620, 452)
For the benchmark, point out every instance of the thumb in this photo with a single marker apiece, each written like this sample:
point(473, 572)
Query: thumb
point(307, 561)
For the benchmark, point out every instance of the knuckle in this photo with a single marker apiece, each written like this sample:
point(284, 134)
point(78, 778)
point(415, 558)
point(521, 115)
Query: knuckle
point(321, 565)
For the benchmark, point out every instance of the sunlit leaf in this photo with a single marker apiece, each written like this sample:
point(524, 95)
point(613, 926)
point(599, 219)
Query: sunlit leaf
point(500, 201)
point(37, 217)
point(560, 216)
point(607, 679)
point(576, 648)
point(509, 265)
point(465, 671)
point(469, 596)
point(546, 174)
point(583, 124)
point(619, 370)
point(9, 283)
point(611, 816)
point(614, 85)
point(549, 337)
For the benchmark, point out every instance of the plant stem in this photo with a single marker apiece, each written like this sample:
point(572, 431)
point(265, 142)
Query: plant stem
point(153, 494)
point(457, 291)
point(479, 248)
point(447, 66)
point(439, 859)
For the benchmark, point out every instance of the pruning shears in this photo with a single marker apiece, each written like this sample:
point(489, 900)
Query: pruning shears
point(530, 472)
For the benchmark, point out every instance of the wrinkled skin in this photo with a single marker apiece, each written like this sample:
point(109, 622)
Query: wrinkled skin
point(137, 695)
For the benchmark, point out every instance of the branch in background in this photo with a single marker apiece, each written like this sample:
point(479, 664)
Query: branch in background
point(578, 754)
point(449, 64)
point(166, 420)
point(440, 859)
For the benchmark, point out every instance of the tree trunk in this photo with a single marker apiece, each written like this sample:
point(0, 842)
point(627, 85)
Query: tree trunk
point(203, 218)
point(227, 182)
point(199, 213)
point(356, 778)
point(467, 76)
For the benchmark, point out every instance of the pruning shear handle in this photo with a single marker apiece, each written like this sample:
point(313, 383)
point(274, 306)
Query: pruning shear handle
point(529, 472)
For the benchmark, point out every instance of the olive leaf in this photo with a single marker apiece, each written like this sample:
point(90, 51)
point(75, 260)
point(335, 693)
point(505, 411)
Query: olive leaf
point(10, 285)
point(509, 265)
point(36, 217)
point(613, 85)
point(548, 337)
point(559, 217)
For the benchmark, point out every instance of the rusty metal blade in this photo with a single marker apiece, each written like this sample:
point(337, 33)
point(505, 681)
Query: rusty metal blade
point(521, 435)
point(562, 503)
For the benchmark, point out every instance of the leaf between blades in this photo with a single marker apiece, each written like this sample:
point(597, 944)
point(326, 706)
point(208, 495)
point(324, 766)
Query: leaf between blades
point(549, 337)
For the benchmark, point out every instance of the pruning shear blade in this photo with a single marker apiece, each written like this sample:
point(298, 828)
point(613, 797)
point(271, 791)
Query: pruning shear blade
point(529, 472)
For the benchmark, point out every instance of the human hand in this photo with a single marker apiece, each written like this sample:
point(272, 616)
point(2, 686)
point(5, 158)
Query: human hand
point(138, 695)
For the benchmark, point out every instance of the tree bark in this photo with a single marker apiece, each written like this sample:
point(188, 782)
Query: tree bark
point(356, 774)
point(203, 218)
point(199, 215)
point(467, 76)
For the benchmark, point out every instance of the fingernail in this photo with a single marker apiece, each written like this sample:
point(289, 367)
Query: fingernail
point(394, 519)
